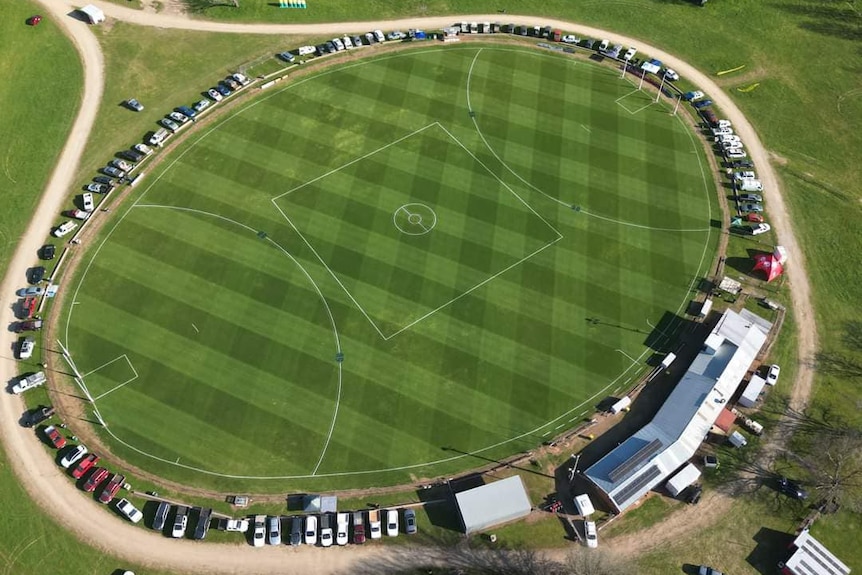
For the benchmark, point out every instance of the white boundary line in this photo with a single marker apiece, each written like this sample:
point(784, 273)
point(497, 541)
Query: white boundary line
point(624, 107)
point(128, 381)
point(432, 312)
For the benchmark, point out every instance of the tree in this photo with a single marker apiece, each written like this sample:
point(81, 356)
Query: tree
point(834, 463)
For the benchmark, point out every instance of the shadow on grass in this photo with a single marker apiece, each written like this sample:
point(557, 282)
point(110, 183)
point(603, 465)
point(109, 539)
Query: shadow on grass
point(771, 548)
point(836, 19)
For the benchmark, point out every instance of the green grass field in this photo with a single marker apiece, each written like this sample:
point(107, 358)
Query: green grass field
point(452, 258)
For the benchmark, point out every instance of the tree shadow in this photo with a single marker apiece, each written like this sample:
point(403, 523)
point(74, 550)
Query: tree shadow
point(771, 548)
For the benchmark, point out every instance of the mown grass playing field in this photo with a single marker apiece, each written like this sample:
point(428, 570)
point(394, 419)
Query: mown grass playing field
point(389, 265)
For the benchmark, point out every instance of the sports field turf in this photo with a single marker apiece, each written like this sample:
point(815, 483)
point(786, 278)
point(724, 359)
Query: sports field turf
point(387, 265)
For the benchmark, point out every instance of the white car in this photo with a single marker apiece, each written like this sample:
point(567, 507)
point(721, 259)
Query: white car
point(325, 531)
point(259, 534)
point(569, 39)
point(392, 522)
point(89, 205)
point(29, 382)
point(237, 525)
point(311, 530)
point(590, 534)
point(736, 153)
point(671, 75)
point(73, 456)
point(214, 94)
point(274, 530)
point(725, 124)
point(181, 521)
point(756, 231)
point(241, 78)
point(722, 132)
point(746, 175)
point(200, 106)
point(80, 214)
point(305, 50)
point(695, 95)
point(728, 138)
point(728, 144)
point(131, 512)
point(630, 53)
point(178, 118)
point(773, 373)
point(342, 522)
point(64, 229)
point(27, 347)
point(339, 45)
point(145, 149)
point(374, 524)
point(604, 45)
point(348, 43)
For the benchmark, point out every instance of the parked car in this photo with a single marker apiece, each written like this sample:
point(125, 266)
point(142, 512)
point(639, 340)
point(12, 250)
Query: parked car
point(28, 307)
point(751, 207)
point(339, 45)
point(693, 494)
point(273, 530)
point(370, 38)
point(64, 229)
point(758, 229)
point(84, 465)
point(358, 527)
point(569, 39)
point(114, 172)
point(29, 382)
point(73, 456)
point(591, 534)
point(26, 347)
point(201, 105)
point(131, 155)
point(348, 43)
point(189, 113)
point(379, 35)
point(311, 530)
point(258, 534)
point(231, 83)
point(241, 78)
point(203, 524)
point(55, 437)
point(87, 202)
point(325, 530)
point(38, 415)
point(120, 164)
point(134, 105)
point(750, 198)
point(342, 525)
point(29, 325)
point(179, 118)
point(357, 42)
point(112, 488)
point(98, 475)
point(79, 215)
point(32, 291)
point(181, 521)
point(36, 275)
point(704, 570)
point(670, 75)
point(161, 515)
point(47, 252)
point(236, 525)
point(374, 529)
point(772, 374)
point(391, 522)
point(223, 89)
point(693, 95)
point(131, 512)
point(735, 153)
point(96, 188)
point(630, 53)
point(214, 94)
point(296, 530)
point(741, 164)
point(169, 124)
point(702, 104)
point(287, 57)
point(409, 522)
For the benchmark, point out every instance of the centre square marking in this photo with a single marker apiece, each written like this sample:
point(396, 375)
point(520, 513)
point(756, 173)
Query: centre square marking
point(482, 227)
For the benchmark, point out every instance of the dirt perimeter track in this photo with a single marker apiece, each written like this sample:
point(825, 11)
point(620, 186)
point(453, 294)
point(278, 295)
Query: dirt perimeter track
point(54, 492)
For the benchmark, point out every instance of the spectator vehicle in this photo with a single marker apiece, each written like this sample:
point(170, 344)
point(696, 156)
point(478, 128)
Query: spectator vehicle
point(237, 525)
point(772, 374)
point(145, 149)
point(391, 522)
point(84, 465)
point(37, 274)
point(746, 175)
point(134, 105)
point(311, 530)
point(339, 45)
point(287, 57)
point(29, 325)
point(26, 347)
point(702, 104)
point(603, 45)
point(181, 521)
point(670, 75)
point(305, 50)
point(751, 207)
point(47, 252)
point(704, 570)
point(131, 155)
point(203, 524)
point(120, 164)
point(104, 180)
point(161, 515)
point(590, 534)
point(95, 479)
point(630, 53)
point(214, 94)
point(758, 229)
point(348, 43)
point(750, 198)
point(73, 456)
point(370, 38)
point(28, 382)
point(342, 525)
point(79, 215)
point(258, 534)
point(97, 188)
point(111, 488)
point(325, 530)
point(113, 172)
point(273, 530)
point(409, 522)
point(320, 50)
point(28, 307)
point(55, 437)
point(87, 202)
point(718, 132)
point(34, 20)
point(64, 229)
point(358, 527)
point(296, 530)
point(131, 512)
point(750, 186)
point(37, 416)
point(357, 42)
point(374, 529)
point(569, 39)
point(735, 153)
point(32, 291)
point(379, 35)
point(169, 124)
point(727, 138)
point(201, 105)
point(231, 83)
point(223, 89)
point(693, 96)
point(742, 164)
point(179, 118)
point(186, 111)
point(241, 78)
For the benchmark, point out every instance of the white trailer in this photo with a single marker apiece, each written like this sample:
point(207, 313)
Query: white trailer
point(752, 391)
point(682, 479)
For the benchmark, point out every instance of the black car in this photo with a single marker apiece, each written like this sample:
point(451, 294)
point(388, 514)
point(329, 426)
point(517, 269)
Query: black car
point(104, 180)
point(38, 415)
point(132, 155)
point(47, 252)
point(222, 89)
point(161, 515)
point(791, 488)
point(692, 494)
point(203, 525)
point(330, 48)
point(741, 164)
point(36, 275)
point(296, 530)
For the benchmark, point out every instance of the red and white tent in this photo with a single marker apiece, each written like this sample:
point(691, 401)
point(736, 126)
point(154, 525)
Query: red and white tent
point(770, 264)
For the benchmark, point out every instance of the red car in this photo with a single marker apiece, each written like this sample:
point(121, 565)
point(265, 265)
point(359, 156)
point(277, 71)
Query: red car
point(34, 20)
point(754, 217)
point(98, 476)
point(54, 436)
point(28, 306)
point(85, 464)
point(111, 488)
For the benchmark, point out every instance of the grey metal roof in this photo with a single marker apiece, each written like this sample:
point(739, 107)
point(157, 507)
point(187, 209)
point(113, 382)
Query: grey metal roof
point(492, 504)
point(686, 417)
point(812, 558)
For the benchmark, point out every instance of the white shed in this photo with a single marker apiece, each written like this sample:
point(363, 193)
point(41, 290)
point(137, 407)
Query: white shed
point(683, 478)
point(706, 307)
point(752, 391)
point(621, 405)
point(94, 14)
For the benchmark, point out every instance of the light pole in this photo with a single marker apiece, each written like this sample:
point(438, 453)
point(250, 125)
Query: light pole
point(676, 107)
point(657, 96)
point(643, 73)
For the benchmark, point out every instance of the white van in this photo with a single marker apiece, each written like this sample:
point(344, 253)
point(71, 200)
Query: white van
point(306, 50)
point(584, 505)
point(379, 35)
point(89, 206)
point(750, 185)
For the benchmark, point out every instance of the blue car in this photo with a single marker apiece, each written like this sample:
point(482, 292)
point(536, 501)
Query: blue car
point(702, 104)
point(186, 111)
point(223, 90)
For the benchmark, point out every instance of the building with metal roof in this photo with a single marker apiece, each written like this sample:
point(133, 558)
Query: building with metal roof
point(492, 504)
point(810, 557)
point(662, 446)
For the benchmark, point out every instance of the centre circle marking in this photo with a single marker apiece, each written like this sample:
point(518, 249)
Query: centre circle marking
point(414, 219)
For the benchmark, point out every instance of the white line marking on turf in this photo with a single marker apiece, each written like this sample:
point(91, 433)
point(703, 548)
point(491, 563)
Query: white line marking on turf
point(128, 381)
point(640, 226)
point(587, 129)
point(196, 328)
